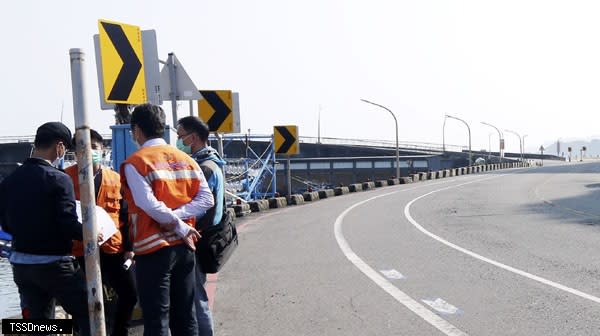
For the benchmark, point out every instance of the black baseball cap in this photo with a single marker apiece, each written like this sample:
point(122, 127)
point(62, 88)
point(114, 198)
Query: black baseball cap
point(53, 131)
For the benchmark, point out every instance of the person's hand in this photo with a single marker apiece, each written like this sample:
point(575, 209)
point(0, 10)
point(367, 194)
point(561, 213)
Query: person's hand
point(191, 238)
point(100, 237)
point(128, 255)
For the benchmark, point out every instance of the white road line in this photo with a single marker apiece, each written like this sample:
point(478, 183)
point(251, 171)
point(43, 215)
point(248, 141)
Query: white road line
point(488, 260)
point(444, 326)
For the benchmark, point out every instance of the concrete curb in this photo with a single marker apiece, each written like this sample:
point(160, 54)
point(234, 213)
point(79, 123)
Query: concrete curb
point(259, 205)
point(325, 193)
point(241, 209)
point(368, 185)
point(296, 199)
point(355, 187)
point(405, 180)
point(381, 183)
point(393, 181)
point(277, 202)
point(341, 191)
point(311, 196)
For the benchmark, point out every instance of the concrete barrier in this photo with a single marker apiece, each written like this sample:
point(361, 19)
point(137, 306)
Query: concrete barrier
point(415, 177)
point(241, 209)
point(277, 202)
point(311, 196)
point(325, 193)
point(355, 187)
point(423, 176)
point(393, 181)
point(339, 191)
point(405, 180)
point(381, 183)
point(431, 176)
point(296, 199)
point(259, 205)
point(368, 185)
point(457, 172)
point(447, 173)
point(439, 174)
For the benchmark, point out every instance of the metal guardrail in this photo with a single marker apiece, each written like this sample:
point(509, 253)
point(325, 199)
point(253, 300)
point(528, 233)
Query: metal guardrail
point(419, 146)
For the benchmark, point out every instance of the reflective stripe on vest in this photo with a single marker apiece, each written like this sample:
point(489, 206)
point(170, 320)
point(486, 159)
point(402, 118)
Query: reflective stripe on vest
point(172, 175)
point(154, 240)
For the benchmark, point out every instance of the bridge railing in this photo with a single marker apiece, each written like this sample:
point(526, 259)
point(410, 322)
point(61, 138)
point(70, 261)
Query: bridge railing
point(421, 146)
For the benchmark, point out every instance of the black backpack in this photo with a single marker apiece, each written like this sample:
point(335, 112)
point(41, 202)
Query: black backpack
point(219, 241)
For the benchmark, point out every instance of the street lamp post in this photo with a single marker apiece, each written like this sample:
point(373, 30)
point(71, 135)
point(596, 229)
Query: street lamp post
point(520, 141)
point(444, 136)
point(490, 147)
point(469, 129)
point(396, 122)
point(500, 137)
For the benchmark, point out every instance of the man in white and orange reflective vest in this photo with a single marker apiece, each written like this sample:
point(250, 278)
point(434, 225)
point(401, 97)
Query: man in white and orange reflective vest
point(118, 248)
point(165, 190)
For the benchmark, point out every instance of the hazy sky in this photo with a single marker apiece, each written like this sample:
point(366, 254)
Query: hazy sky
point(529, 66)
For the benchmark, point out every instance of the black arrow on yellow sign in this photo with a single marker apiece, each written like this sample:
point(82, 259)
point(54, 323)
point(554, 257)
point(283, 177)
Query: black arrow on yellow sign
point(131, 64)
point(289, 140)
point(221, 109)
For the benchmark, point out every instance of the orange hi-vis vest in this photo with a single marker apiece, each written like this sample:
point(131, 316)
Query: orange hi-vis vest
point(109, 197)
point(174, 178)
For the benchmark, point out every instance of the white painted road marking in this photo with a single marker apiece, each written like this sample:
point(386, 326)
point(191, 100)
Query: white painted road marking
point(442, 306)
point(442, 325)
point(488, 260)
point(392, 274)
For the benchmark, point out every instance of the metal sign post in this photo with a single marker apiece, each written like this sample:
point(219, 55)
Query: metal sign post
point(87, 198)
point(288, 173)
point(173, 81)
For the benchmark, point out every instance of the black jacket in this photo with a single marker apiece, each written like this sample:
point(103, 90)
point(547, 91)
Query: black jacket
point(37, 206)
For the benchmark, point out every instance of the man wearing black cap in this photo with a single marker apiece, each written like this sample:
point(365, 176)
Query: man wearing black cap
point(37, 206)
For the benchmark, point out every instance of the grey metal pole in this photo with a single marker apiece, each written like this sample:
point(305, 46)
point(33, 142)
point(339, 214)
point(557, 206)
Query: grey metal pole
point(288, 173)
point(520, 141)
point(319, 127)
point(87, 195)
point(468, 129)
point(523, 148)
point(173, 80)
point(191, 108)
point(397, 147)
point(444, 136)
point(500, 136)
point(219, 143)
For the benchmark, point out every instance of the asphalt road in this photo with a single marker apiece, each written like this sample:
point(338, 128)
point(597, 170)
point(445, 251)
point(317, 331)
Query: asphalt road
point(511, 252)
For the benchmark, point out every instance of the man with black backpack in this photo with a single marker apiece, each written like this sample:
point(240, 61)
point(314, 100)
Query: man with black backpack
point(192, 138)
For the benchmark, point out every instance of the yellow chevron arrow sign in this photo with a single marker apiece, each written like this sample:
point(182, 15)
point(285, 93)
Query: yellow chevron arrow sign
point(122, 59)
point(216, 109)
point(286, 140)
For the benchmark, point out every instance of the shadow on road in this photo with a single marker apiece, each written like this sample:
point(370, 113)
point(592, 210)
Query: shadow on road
point(583, 208)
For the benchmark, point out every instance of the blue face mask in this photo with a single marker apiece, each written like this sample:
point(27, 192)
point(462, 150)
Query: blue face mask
point(182, 147)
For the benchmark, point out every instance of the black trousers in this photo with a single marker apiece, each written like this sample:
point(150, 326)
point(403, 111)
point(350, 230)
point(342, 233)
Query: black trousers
point(123, 282)
point(41, 284)
point(165, 280)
